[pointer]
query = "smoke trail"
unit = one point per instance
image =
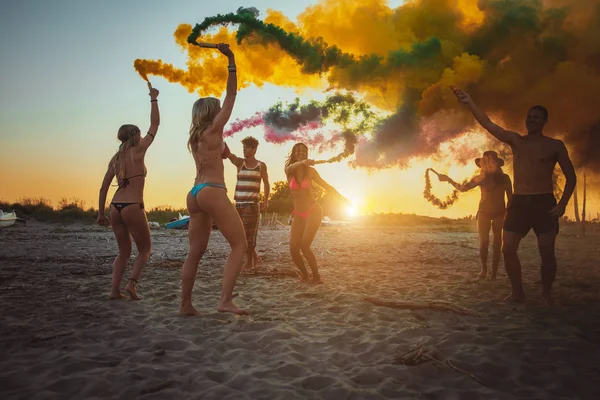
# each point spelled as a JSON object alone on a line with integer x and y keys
{"x": 509, "y": 55}
{"x": 441, "y": 204}
{"x": 314, "y": 55}
{"x": 175, "y": 75}
{"x": 301, "y": 122}
{"x": 239, "y": 125}
{"x": 350, "y": 141}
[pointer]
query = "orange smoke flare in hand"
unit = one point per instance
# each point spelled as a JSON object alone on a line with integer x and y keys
{"x": 141, "y": 69}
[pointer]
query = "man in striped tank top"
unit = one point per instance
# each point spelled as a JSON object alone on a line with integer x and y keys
{"x": 247, "y": 194}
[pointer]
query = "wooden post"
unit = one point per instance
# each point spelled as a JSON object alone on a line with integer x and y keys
{"x": 584, "y": 204}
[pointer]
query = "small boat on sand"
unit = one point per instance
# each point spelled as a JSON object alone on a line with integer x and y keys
{"x": 7, "y": 219}
{"x": 180, "y": 223}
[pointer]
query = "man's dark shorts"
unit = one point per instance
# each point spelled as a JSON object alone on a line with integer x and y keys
{"x": 525, "y": 212}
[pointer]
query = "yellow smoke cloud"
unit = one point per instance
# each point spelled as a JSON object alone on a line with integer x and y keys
{"x": 207, "y": 70}
{"x": 355, "y": 26}
{"x": 277, "y": 18}
{"x": 466, "y": 69}
{"x": 472, "y": 17}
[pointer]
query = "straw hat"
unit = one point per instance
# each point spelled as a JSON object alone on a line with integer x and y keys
{"x": 492, "y": 154}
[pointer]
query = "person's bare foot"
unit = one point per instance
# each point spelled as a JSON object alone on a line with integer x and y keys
{"x": 131, "y": 291}
{"x": 188, "y": 311}
{"x": 303, "y": 278}
{"x": 228, "y": 306}
{"x": 493, "y": 277}
{"x": 316, "y": 280}
{"x": 116, "y": 296}
{"x": 515, "y": 298}
{"x": 482, "y": 274}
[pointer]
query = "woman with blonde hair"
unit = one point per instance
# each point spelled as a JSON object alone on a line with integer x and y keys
{"x": 127, "y": 214}
{"x": 307, "y": 214}
{"x": 207, "y": 200}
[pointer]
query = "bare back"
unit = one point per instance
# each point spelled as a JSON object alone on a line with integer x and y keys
{"x": 207, "y": 156}
{"x": 131, "y": 185}
{"x": 534, "y": 159}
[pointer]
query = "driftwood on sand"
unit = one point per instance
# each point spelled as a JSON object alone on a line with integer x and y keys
{"x": 428, "y": 305}
{"x": 419, "y": 355}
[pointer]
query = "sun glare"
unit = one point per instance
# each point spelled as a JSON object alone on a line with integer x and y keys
{"x": 351, "y": 211}
{"x": 352, "y": 208}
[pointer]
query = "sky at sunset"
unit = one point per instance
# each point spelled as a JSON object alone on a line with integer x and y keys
{"x": 67, "y": 83}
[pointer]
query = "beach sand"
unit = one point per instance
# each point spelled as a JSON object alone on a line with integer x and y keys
{"x": 60, "y": 337}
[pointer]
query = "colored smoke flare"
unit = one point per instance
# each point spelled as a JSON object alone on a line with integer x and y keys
{"x": 508, "y": 55}
{"x": 305, "y": 123}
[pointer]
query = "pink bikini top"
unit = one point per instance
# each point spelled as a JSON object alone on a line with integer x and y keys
{"x": 306, "y": 184}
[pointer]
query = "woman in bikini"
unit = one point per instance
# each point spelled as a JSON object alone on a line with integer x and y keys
{"x": 208, "y": 201}
{"x": 494, "y": 183}
{"x": 127, "y": 214}
{"x": 307, "y": 214}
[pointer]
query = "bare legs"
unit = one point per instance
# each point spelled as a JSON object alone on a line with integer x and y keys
{"x": 546, "y": 243}
{"x": 213, "y": 202}
{"x": 302, "y": 234}
{"x": 496, "y": 244}
{"x": 483, "y": 226}
{"x": 512, "y": 265}
{"x": 546, "y": 247}
{"x": 131, "y": 222}
{"x": 198, "y": 234}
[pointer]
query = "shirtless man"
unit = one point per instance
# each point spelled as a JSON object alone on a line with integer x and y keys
{"x": 533, "y": 204}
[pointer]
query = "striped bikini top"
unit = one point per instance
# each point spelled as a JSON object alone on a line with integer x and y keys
{"x": 247, "y": 189}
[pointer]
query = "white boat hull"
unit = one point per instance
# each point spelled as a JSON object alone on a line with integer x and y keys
{"x": 7, "y": 219}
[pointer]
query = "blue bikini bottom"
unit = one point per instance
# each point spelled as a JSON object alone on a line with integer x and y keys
{"x": 201, "y": 186}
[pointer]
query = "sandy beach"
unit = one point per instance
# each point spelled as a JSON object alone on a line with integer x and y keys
{"x": 61, "y": 338}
